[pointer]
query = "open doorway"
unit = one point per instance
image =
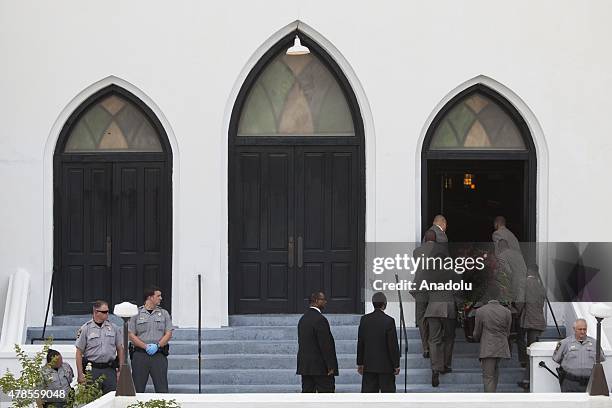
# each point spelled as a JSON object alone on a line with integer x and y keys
{"x": 478, "y": 161}
{"x": 470, "y": 193}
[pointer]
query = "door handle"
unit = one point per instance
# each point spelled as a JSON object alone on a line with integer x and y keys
{"x": 300, "y": 254}
{"x": 290, "y": 247}
{"x": 109, "y": 249}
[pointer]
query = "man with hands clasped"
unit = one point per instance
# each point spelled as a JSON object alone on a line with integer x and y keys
{"x": 150, "y": 331}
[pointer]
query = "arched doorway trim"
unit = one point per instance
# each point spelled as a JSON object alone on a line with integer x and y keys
{"x": 538, "y": 143}
{"x": 52, "y": 144}
{"x": 368, "y": 131}
{"x": 236, "y": 140}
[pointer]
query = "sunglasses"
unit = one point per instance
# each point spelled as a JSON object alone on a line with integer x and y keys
{"x": 102, "y": 311}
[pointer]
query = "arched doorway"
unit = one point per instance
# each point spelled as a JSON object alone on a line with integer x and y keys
{"x": 112, "y": 204}
{"x": 479, "y": 161}
{"x": 296, "y": 191}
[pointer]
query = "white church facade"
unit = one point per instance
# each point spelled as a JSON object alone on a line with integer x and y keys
{"x": 149, "y": 143}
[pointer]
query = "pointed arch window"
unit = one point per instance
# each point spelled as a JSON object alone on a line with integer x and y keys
{"x": 477, "y": 122}
{"x": 296, "y": 96}
{"x": 113, "y": 124}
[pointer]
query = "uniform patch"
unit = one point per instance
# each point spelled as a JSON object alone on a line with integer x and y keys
{"x": 78, "y": 333}
{"x": 558, "y": 346}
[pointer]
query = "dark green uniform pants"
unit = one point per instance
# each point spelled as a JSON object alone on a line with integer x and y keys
{"x": 110, "y": 378}
{"x": 144, "y": 365}
{"x": 573, "y": 386}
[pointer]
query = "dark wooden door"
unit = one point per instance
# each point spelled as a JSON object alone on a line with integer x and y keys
{"x": 114, "y": 234}
{"x": 294, "y": 228}
{"x": 86, "y": 265}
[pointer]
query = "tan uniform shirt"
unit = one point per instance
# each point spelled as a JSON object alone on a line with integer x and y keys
{"x": 99, "y": 343}
{"x": 150, "y": 327}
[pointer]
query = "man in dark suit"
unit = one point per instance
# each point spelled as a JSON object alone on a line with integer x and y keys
{"x": 378, "y": 355}
{"x": 502, "y": 232}
{"x": 316, "y": 359}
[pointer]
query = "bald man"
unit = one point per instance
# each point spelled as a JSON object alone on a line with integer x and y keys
{"x": 502, "y": 232}
{"x": 439, "y": 228}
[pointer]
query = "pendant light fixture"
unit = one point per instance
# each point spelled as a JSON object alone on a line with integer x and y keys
{"x": 297, "y": 48}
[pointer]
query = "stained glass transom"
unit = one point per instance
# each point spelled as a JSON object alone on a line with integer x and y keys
{"x": 296, "y": 95}
{"x": 477, "y": 122}
{"x": 113, "y": 124}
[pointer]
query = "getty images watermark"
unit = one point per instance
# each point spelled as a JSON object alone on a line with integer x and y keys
{"x": 435, "y": 265}
{"x": 569, "y": 271}
{"x": 401, "y": 269}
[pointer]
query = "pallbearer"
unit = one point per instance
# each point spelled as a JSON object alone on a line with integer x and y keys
{"x": 493, "y": 322}
{"x": 420, "y": 296}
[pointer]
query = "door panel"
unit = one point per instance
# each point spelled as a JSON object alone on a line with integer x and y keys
{"x": 327, "y": 203}
{"x": 138, "y": 223}
{"x": 85, "y": 270}
{"x": 262, "y": 205}
{"x": 293, "y": 228}
{"x": 114, "y": 241}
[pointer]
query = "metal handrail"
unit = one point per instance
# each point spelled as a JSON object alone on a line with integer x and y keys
{"x": 42, "y": 337}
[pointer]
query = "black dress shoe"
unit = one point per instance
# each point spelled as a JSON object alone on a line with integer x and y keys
{"x": 426, "y": 354}
{"x": 446, "y": 370}
{"x": 435, "y": 378}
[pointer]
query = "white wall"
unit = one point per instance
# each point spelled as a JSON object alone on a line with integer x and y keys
{"x": 187, "y": 57}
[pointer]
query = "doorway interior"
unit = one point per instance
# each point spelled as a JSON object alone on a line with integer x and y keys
{"x": 471, "y": 193}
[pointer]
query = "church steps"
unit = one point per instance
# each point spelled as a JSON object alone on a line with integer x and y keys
{"x": 257, "y": 353}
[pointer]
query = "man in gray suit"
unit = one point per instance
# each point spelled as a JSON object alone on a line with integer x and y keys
{"x": 514, "y": 265}
{"x": 532, "y": 321}
{"x": 492, "y": 329}
{"x": 502, "y": 232}
{"x": 441, "y": 316}
{"x": 439, "y": 228}
{"x": 420, "y": 296}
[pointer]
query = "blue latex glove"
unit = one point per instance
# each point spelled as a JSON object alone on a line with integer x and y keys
{"x": 151, "y": 349}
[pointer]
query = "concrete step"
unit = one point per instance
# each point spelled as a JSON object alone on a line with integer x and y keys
{"x": 340, "y": 388}
{"x": 288, "y": 361}
{"x": 262, "y": 332}
{"x": 234, "y": 320}
{"x": 225, "y": 333}
{"x": 78, "y": 320}
{"x": 288, "y": 376}
{"x": 289, "y": 320}
{"x": 180, "y": 347}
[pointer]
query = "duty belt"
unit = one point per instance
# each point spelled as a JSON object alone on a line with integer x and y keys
{"x": 578, "y": 378}
{"x": 109, "y": 364}
{"x": 165, "y": 350}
